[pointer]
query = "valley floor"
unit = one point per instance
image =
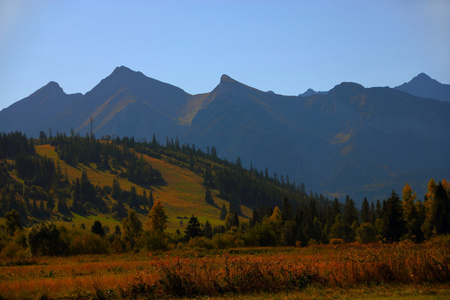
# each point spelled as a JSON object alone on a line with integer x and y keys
{"x": 401, "y": 271}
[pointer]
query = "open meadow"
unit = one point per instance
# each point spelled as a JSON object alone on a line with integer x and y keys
{"x": 321, "y": 271}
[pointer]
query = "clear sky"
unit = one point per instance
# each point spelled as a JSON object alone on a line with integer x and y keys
{"x": 284, "y": 46}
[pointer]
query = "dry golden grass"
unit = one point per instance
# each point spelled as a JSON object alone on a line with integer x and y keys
{"x": 316, "y": 272}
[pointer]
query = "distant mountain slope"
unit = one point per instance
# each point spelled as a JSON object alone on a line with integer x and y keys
{"x": 354, "y": 140}
{"x": 39, "y": 111}
{"x": 311, "y": 92}
{"x": 350, "y": 140}
{"x": 424, "y": 86}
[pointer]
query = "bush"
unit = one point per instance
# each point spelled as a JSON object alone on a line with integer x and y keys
{"x": 14, "y": 250}
{"x": 366, "y": 233}
{"x": 154, "y": 241}
{"x": 337, "y": 242}
{"x": 85, "y": 242}
{"x": 227, "y": 240}
{"x": 201, "y": 242}
{"x": 45, "y": 239}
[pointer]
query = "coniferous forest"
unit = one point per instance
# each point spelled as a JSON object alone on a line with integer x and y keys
{"x": 269, "y": 235}
{"x": 35, "y": 189}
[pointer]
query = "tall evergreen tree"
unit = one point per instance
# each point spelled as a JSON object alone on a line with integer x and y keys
{"x": 97, "y": 228}
{"x": 150, "y": 200}
{"x": 116, "y": 191}
{"x": 438, "y": 211}
{"x": 207, "y": 230}
{"x": 223, "y": 212}
{"x": 193, "y": 228}
{"x": 158, "y": 218}
{"x": 350, "y": 213}
{"x": 132, "y": 229}
{"x": 76, "y": 196}
{"x": 287, "y": 213}
{"x": 365, "y": 211}
{"x": 133, "y": 198}
{"x": 208, "y": 197}
{"x": 395, "y": 227}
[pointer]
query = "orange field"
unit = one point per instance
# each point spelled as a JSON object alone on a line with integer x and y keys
{"x": 241, "y": 271}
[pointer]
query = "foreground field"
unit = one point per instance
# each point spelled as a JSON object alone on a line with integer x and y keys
{"x": 345, "y": 271}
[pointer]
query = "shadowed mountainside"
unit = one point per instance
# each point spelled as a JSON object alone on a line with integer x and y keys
{"x": 424, "y": 86}
{"x": 350, "y": 140}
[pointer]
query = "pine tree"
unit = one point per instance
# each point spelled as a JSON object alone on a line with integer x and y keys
{"x": 395, "y": 227}
{"x": 121, "y": 211}
{"x": 365, "y": 211}
{"x": 76, "y": 196}
{"x": 287, "y": 213}
{"x": 410, "y": 214}
{"x": 50, "y": 203}
{"x": 208, "y": 197}
{"x": 235, "y": 220}
{"x": 350, "y": 213}
{"x": 132, "y": 229}
{"x": 150, "y": 201}
{"x": 207, "y": 230}
{"x": 158, "y": 218}
{"x": 133, "y": 198}
{"x": 223, "y": 212}
{"x": 116, "y": 191}
{"x": 438, "y": 211}
{"x": 97, "y": 228}
{"x": 193, "y": 228}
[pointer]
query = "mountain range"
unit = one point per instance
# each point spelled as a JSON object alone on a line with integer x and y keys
{"x": 350, "y": 140}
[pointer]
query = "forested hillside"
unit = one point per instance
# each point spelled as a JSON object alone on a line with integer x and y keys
{"x": 85, "y": 181}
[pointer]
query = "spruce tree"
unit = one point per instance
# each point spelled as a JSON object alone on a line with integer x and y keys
{"x": 223, "y": 212}
{"x": 395, "y": 226}
{"x": 208, "y": 197}
{"x": 97, "y": 228}
{"x": 133, "y": 198}
{"x": 207, "y": 230}
{"x": 150, "y": 201}
{"x": 365, "y": 211}
{"x": 193, "y": 228}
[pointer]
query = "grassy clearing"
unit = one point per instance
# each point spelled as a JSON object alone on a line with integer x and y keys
{"x": 400, "y": 271}
{"x": 182, "y": 196}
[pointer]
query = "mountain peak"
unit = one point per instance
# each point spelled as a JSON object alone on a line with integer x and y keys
{"x": 311, "y": 92}
{"x": 348, "y": 86}
{"x": 424, "y": 86}
{"x": 422, "y": 76}
{"x": 51, "y": 87}
{"x": 225, "y": 78}
{"x": 122, "y": 70}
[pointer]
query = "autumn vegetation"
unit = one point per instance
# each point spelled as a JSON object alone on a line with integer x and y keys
{"x": 267, "y": 234}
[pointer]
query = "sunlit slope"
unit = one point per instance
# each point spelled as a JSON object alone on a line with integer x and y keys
{"x": 182, "y": 196}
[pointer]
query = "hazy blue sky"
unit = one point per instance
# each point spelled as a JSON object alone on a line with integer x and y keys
{"x": 284, "y": 46}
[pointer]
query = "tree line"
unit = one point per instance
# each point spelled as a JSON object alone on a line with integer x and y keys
{"x": 283, "y": 213}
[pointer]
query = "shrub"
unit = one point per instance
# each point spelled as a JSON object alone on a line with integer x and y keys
{"x": 366, "y": 233}
{"x": 227, "y": 240}
{"x": 201, "y": 242}
{"x": 154, "y": 241}
{"x": 45, "y": 239}
{"x": 85, "y": 242}
{"x": 336, "y": 242}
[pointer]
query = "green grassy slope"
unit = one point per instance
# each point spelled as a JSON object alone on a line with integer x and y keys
{"x": 182, "y": 196}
